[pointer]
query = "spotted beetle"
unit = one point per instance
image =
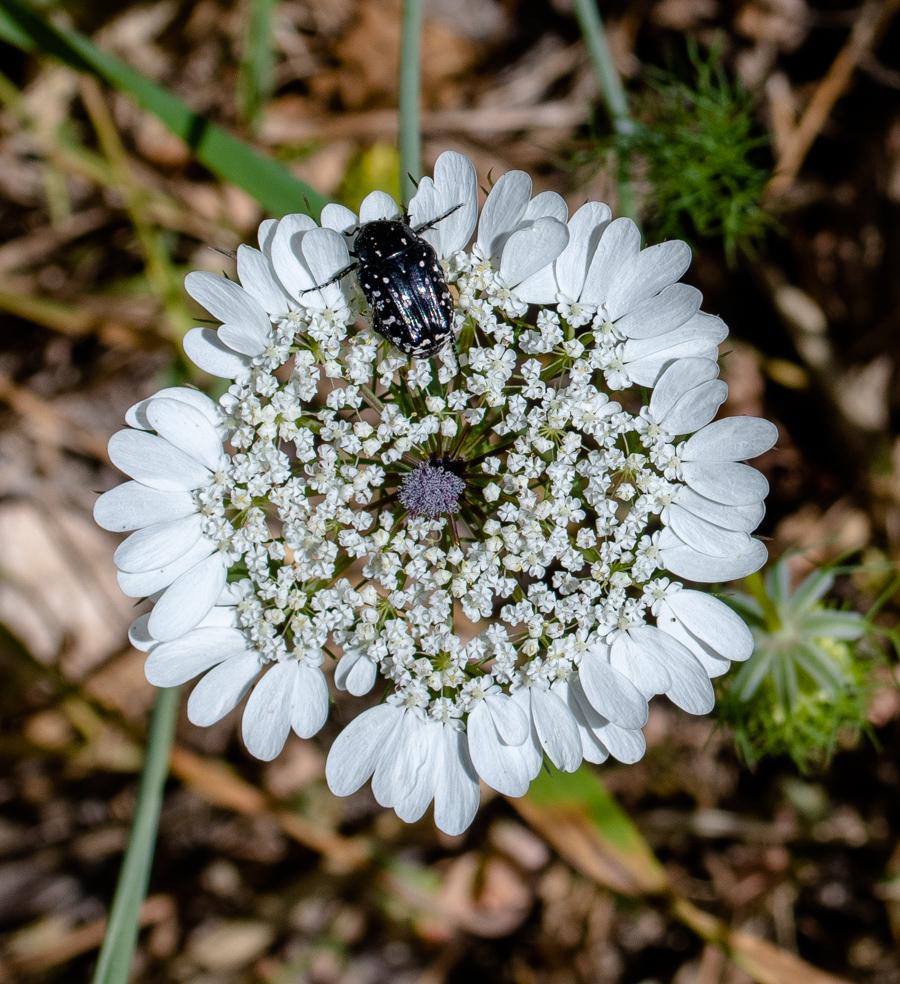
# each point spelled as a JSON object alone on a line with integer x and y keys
{"x": 401, "y": 277}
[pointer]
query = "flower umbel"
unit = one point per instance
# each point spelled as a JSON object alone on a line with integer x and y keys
{"x": 490, "y": 530}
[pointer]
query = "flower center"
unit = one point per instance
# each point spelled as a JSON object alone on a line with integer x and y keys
{"x": 433, "y": 487}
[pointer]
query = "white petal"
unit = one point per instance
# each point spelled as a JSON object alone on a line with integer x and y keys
{"x": 531, "y": 248}
{"x": 414, "y": 802}
{"x": 266, "y": 234}
{"x": 619, "y": 246}
{"x": 613, "y": 695}
{"x": 377, "y": 205}
{"x": 510, "y": 720}
{"x": 731, "y": 439}
{"x": 503, "y": 766}
{"x": 503, "y": 211}
{"x": 227, "y": 301}
{"x": 404, "y": 763}
{"x": 556, "y": 729}
{"x": 143, "y": 584}
{"x": 187, "y": 429}
{"x": 267, "y": 716}
{"x": 338, "y": 217}
{"x": 690, "y": 688}
{"x": 547, "y": 204}
{"x": 139, "y": 635}
{"x": 713, "y": 664}
{"x": 624, "y": 744}
{"x": 456, "y": 794}
{"x": 678, "y": 380}
{"x": 259, "y": 280}
{"x": 745, "y": 518}
{"x": 188, "y": 599}
{"x": 531, "y": 751}
{"x": 132, "y": 506}
{"x": 286, "y": 255}
{"x": 203, "y": 348}
{"x": 585, "y": 229}
{"x": 135, "y": 416}
{"x": 725, "y": 481}
{"x": 592, "y": 749}
{"x": 153, "y": 461}
{"x": 358, "y": 748}
{"x": 222, "y": 689}
{"x": 172, "y": 663}
{"x": 637, "y": 663}
{"x": 653, "y": 269}
{"x": 326, "y": 254}
{"x": 705, "y": 536}
{"x": 456, "y": 182}
{"x": 310, "y": 701}
{"x": 698, "y": 406}
{"x": 659, "y": 315}
{"x": 539, "y": 288}
{"x": 712, "y": 622}
{"x": 359, "y": 678}
{"x": 159, "y": 545}
{"x": 683, "y": 561}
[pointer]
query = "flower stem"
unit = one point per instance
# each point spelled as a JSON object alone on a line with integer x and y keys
{"x": 410, "y": 85}
{"x": 121, "y": 933}
{"x": 613, "y": 95}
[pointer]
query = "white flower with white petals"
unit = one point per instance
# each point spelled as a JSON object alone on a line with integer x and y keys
{"x": 376, "y": 509}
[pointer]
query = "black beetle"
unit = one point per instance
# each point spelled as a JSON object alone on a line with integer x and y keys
{"x": 401, "y": 277}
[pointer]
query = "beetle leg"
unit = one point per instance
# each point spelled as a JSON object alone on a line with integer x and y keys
{"x": 430, "y": 225}
{"x": 338, "y": 276}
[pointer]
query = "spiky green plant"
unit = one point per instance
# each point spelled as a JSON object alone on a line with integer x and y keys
{"x": 805, "y": 684}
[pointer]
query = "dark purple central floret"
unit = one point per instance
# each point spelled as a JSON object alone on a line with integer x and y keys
{"x": 431, "y": 490}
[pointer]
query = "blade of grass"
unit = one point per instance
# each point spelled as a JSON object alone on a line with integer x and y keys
{"x": 257, "y": 61}
{"x": 613, "y": 94}
{"x": 410, "y": 85}
{"x": 114, "y": 963}
{"x": 275, "y": 188}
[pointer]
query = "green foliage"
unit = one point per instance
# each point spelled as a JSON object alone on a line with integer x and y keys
{"x": 698, "y": 146}
{"x": 805, "y": 683}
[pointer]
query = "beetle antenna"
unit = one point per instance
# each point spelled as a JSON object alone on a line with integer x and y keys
{"x": 224, "y": 252}
{"x": 440, "y": 218}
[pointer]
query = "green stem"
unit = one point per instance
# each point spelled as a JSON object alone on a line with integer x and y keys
{"x": 757, "y": 586}
{"x": 613, "y": 95}
{"x": 114, "y": 963}
{"x": 410, "y": 86}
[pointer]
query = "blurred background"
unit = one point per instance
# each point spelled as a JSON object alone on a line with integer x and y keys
{"x": 780, "y": 817}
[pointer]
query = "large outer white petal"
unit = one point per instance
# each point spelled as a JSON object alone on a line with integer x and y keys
{"x": 259, "y": 280}
{"x": 705, "y": 536}
{"x": 636, "y": 662}
{"x": 529, "y": 249}
{"x": 505, "y": 767}
{"x": 132, "y": 506}
{"x": 592, "y": 749}
{"x": 143, "y": 584}
{"x": 267, "y": 716}
{"x": 455, "y": 183}
{"x": 624, "y": 744}
{"x": 727, "y": 482}
{"x": 650, "y": 271}
{"x": 547, "y": 204}
{"x": 711, "y": 621}
{"x": 585, "y": 229}
{"x": 612, "y": 695}
{"x": 172, "y": 663}
{"x": 404, "y": 763}
{"x": 659, "y": 315}
{"x": 153, "y": 461}
{"x": 684, "y": 561}
{"x": 287, "y": 261}
{"x": 377, "y": 205}
{"x": 187, "y": 429}
{"x": 227, "y": 301}
{"x": 204, "y": 348}
{"x": 326, "y": 254}
{"x": 159, "y": 545}
{"x": 618, "y": 247}
{"x": 309, "y": 709}
{"x": 743, "y": 517}
{"x": 222, "y": 689}
{"x": 731, "y": 439}
{"x": 503, "y": 210}
{"x": 690, "y": 688}
{"x": 338, "y": 217}
{"x": 188, "y": 599}
{"x": 135, "y": 416}
{"x": 456, "y": 793}
{"x": 510, "y": 720}
{"x": 358, "y": 748}
{"x": 556, "y": 729}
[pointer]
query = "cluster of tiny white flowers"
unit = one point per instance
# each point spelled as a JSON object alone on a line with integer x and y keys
{"x": 483, "y": 529}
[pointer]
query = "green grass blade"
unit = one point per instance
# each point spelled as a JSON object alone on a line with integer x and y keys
{"x": 275, "y": 188}
{"x": 257, "y": 61}
{"x": 410, "y": 94}
{"x": 121, "y": 933}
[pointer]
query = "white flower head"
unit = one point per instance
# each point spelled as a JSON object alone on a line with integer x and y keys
{"x": 492, "y": 533}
